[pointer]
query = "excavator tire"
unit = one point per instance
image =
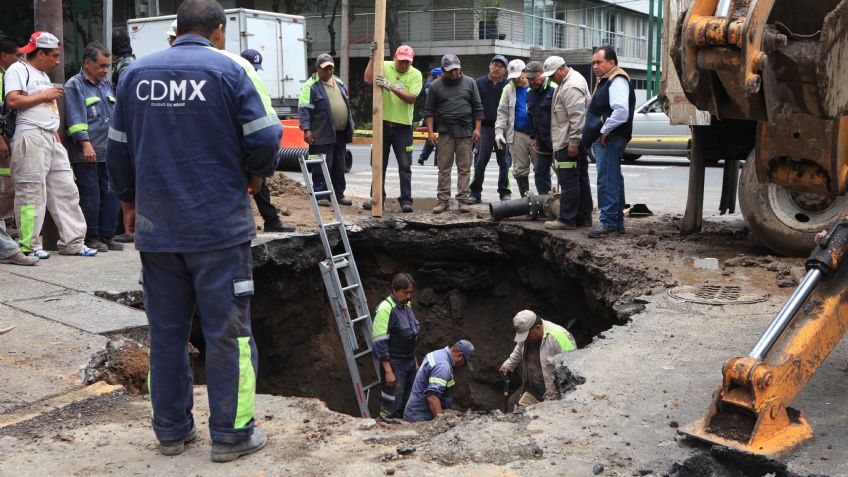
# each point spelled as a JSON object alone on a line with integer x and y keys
{"x": 786, "y": 222}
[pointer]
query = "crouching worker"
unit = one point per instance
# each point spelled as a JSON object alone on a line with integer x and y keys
{"x": 395, "y": 333}
{"x": 432, "y": 391}
{"x": 537, "y": 342}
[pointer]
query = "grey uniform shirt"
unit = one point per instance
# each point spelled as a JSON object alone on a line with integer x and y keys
{"x": 455, "y": 105}
{"x": 568, "y": 113}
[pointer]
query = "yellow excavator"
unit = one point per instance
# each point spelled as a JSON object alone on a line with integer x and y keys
{"x": 780, "y": 69}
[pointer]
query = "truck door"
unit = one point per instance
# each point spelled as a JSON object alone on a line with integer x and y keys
{"x": 261, "y": 35}
{"x": 293, "y": 59}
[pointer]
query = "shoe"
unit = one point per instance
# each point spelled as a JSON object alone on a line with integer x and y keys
{"x": 421, "y": 161}
{"x": 323, "y": 202}
{"x": 344, "y": 201}
{"x": 19, "y": 258}
{"x": 473, "y": 200}
{"x": 559, "y": 225}
{"x": 406, "y": 208}
{"x": 39, "y": 254}
{"x": 124, "y": 238}
{"x": 620, "y": 231}
{"x": 438, "y": 209}
{"x": 86, "y": 252}
{"x": 366, "y": 205}
{"x": 277, "y": 226}
{"x": 601, "y": 232}
{"x": 177, "y": 447}
{"x": 464, "y": 207}
{"x": 506, "y": 197}
{"x": 111, "y": 244}
{"x": 584, "y": 223}
{"x": 230, "y": 452}
{"x": 96, "y": 244}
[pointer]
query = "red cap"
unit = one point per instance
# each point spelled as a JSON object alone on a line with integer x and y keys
{"x": 40, "y": 39}
{"x": 404, "y": 53}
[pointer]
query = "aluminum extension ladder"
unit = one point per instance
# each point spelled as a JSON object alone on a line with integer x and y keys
{"x": 341, "y": 279}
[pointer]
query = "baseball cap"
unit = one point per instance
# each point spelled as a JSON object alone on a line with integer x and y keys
{"x": 40, "y": 39}
{"x": 533, "y": 69}
{"x": 450, "y": 62}
{"x": 514, "y": 69}
{"x": 404, "y": 53}
{"x": 500, "y": 58}
{"x": 172, "y": 30}
{"x": 254, "y": 57}
{"x": 467, "y": 350}
{"x": 324, "y": 59}
{"x": 436, "y": 71}
{"x": 522, "y": 322}
{"x": 552, "y": 64}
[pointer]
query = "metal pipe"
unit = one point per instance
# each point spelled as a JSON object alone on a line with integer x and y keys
{"x": 534, "y": 206}
{"x": 723, "y": 8}
{"x": 786, "y": 313}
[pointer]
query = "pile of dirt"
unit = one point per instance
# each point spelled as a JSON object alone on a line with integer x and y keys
{"x": 565, "y": 380}
{"x": 725, "y": 462}
{"x": 281, "y": 186}
{"x": 124, "y": 362}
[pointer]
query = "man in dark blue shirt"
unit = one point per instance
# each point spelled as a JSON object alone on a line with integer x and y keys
{"x": 193, "y": 131}
{"x": 539, "y": 101}
{"x": 491, "y": 87}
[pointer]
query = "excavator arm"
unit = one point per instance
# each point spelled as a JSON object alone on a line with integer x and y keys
{"x": 750, "y": 411}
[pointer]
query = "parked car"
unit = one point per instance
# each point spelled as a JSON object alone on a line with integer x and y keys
{"x": 654, "y": 135}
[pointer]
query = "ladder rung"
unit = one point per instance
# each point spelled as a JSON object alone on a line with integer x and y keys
{"x": 361, "y": 354}
{"x": 313, "y": 161}
{"x": 360, "y": 318}
{"x": 321, "y": 193}
{"x": 340, "y": 256}
{"x": 335, "y": 223}
{"x": 350, "y": 287}
{"x": 370, "y": 385}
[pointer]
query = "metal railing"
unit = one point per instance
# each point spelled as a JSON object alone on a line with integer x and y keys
{"x": 483, "y": 24}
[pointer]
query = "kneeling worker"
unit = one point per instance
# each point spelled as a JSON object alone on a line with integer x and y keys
{"x": 432, "y": 391}
{"x": 395, "y": 332}
{"x": 538, "y": 341}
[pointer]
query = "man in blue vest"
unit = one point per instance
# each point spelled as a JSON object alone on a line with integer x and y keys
{"x": 193, "y": 131}
{"x": 432, "y": 391}
{"x": 609, "y": 127}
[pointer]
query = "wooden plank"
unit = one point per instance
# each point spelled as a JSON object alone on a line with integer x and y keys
{"x": 377, "y": 115}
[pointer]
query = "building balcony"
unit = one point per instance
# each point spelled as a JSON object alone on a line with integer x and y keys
{"x": 465, "y": 31}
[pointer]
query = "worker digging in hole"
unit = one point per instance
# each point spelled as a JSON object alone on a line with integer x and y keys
{"x": 537, "y": 342}
{"x": 432, "y": 390}
{"x": 395, "y": 333}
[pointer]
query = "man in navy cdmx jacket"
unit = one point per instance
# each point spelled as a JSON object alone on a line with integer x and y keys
{"x": 193, "y": 127}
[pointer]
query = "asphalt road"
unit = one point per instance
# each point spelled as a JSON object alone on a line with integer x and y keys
{"x": 659, "y": 182}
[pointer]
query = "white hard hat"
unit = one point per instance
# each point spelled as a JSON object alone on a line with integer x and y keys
{"x": 172, "y": 30}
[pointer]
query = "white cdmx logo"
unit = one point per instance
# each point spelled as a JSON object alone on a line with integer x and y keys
{"x": 157, "y": 90}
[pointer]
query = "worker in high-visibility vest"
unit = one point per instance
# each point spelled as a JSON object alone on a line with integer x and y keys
{"x": 537, "y": 342}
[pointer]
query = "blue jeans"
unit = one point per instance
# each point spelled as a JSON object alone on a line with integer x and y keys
{"x": 8, "y": 247}
{"x": 217, "y": 285}
{"x": 99, "y": 203}
{"x": 542, "y": 173}
{"x": 393, "y": 400}
{"x": 610, "y": 181}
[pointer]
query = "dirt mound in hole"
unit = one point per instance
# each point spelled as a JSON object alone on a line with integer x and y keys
{"x": 725, "y": 462}
{"x": 281, "y": 186}
{"x": 123, "y": 362}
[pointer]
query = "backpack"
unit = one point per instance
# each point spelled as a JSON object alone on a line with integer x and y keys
{"x": 8, "y": 115}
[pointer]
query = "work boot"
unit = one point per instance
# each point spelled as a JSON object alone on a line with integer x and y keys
{"x": 559, "y": 225}
{"x": 523, "y": 185}
{"x": 474, "y": 200}
{"x": 177, "y": 447}
{"x": 344, "y": 201}
{"x": 229, "y": 452}
{"x": 602, "y": 232}
{"x": 324, "y": 202}
{"x": 277, "y": 226}
{"x": 19, "y": 258}
{"x": 506, "y": 197}
{"x": 464, "y": 207}
{"x": 440, "y": 207}
{"x": 96, "y": 244}
{"x": 111, "y": 244}
{"x": 124, "y": 238}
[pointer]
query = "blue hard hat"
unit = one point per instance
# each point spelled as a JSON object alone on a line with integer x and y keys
{"x": 436, "y": 71}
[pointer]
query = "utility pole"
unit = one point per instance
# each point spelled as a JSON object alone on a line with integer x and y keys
{"x": 48, "y": 17}
{"x": 345, "y": 53}
{"x": 107, "y": 25}
{"x": 377, "y": 118}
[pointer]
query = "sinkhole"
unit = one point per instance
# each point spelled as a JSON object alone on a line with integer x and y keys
{"x": 471, "y": 279}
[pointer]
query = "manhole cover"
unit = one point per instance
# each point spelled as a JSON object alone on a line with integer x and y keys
{"x": 710, "y": 294}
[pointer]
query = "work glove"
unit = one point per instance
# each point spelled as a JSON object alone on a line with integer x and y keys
{"x": 500, "y": 141}
{"x": 383, "y": 83}
{"x": 373, "y": 48}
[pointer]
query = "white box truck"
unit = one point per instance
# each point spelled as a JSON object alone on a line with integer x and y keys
{"x": 280, "y": 38}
